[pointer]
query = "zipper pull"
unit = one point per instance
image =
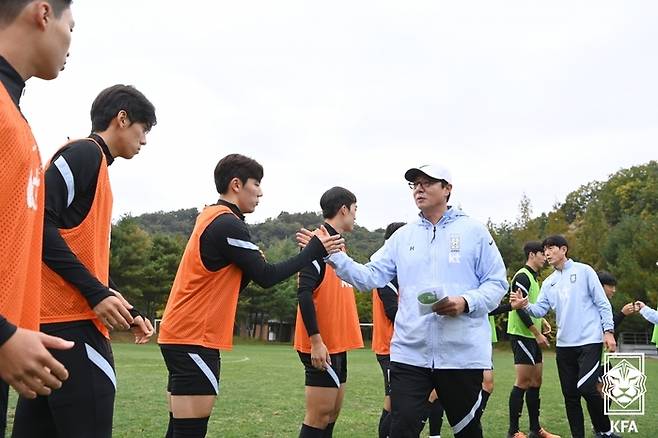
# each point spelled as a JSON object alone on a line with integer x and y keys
{"x": 433, "y": 233}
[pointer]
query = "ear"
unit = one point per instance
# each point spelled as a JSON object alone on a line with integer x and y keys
{"x": 235, "y": 185}
{"x": 122, "y": 119}
{"x": 41, "y": 13}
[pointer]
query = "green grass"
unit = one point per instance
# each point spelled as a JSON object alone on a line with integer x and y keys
{"x": 262, "y": 389}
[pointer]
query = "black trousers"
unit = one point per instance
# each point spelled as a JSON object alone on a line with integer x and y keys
{"x": 578, "y": 368}
{"x": 84, "y": 406}
{"x": 459, "y": 392}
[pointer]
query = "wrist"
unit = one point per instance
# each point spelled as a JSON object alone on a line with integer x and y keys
{"x": 316, "y": 339}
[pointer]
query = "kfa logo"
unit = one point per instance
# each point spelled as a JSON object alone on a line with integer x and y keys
{"x": 624, "y": 384}
{"x": 33, "y": 183}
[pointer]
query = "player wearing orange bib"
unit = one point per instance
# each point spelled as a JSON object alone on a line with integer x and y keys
{"x": 34, "y": 42}
{"x": 220, "y": 260}
{"x": 327, "y": 324}
{"x": 77, "y": 302}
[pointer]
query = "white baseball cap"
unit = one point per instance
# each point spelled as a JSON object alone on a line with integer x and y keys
{"x": 433, "y": 171}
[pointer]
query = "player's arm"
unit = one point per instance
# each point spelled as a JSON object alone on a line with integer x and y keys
{"x": 389, "y": 296}
{"x": 600, "y": 301}
{"x": 490, "y": 270}
{"x": 231, "y": 238}
{"x": 375, "y": 274}
{"x": 310, "y": 278}
{"x": 648, "y": 313}
{"x": 72, "y": 174}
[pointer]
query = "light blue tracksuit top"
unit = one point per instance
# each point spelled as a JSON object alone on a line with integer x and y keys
{"x": 457, "y": 253}
{"x": 582, "y": 310}
{"x": 649, "y": 314}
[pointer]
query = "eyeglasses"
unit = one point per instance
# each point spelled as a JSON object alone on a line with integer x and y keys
{"x": 423, "y": 184}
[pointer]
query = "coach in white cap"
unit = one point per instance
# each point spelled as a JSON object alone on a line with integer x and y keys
{"x": 444, "y": 250}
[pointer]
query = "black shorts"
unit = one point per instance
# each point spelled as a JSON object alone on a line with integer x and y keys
{"x": 329, "y": 378}
{"x": 84, "y": 405}
{"x": 385, "y": 363}
{"x": 193, "y": 369}
{"x": 526, "y": 350}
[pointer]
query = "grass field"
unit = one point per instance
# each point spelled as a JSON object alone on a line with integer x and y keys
{"x": 262, "y": 389}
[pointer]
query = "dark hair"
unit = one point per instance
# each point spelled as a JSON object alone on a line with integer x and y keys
{"x": 607, "y": 278}
{"x": 236, "y": 166}
{"x": 392, "y": 228}
{"x": 333, "y": 199}
{"x": 555, "y": 240}
{"x": 119, "y": 97}
{"x": 11, "y": 9}
{"x": 534, "y": 246}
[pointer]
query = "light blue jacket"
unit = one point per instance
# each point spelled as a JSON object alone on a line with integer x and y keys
{"x": 457, "y": 253}
{"x": 582, "y": 310}
{"x": 649, "y": 314}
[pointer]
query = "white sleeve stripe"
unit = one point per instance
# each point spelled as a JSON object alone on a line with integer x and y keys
{"x": 241, "y": 244}
{"x": 66, "y": 173}
{"x": 393, "y": 288}
{"x": 520, "y": 286}
{"x": 317, "y": 266}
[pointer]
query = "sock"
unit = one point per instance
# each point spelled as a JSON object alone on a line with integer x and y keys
{"x": 436, "y": 418}
{"x": 310, "y": 432}
{"x": 170, "y": 427}
{"x": 485, "y": 399}
{"x": 329, "y": 430}
{"x": 385, "y": 424}
{"x": 190, "y": 427}
{"x": 515, "y": 408}
{"x": 532, "y": 402}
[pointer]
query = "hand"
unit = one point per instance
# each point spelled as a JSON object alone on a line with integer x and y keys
{"x": 451, "y": 306}
{"x": 303, "y": 236}
{"x": 320, "y": 357}
{"x": 628, "y": 309}
{"x": 113, "y": 312}
{"x": 142, "y": 329}
{"x": 609, "y": 342}
{"x": 27, "y": 365}
{"x": 332, "y": 244}
{"x": 125, "y": 302}
{"x": 542, "y": 341}
{"x": 546, "y": 327}
{"x": 639, "y": 305}
{"x": 517, "y": 300}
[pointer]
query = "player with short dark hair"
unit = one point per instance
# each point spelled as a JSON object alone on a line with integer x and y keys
{"x": 585, "y": 325}
{"x": 527, "y": 340}
{"x": 327, "y": 325}
{"x": 220, "y": 260}
{"x": 34, "y": 42}
{"x": 79, "y": 301}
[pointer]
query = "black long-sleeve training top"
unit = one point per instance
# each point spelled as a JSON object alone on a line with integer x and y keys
{"x": 227, "y": 240}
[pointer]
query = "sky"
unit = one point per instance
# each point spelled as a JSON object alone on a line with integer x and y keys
{"x": 514, "y": 97}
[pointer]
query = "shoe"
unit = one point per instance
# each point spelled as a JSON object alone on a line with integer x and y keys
{"x": 517, "y": 435}
{"x": 542, "y": 434}
{"x": 603, "y": 435}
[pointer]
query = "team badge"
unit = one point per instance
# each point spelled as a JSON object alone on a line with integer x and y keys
{"x": 455, "y": 246}
{"x": 455, "y": 243}
{"x": 573, "y": 278}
